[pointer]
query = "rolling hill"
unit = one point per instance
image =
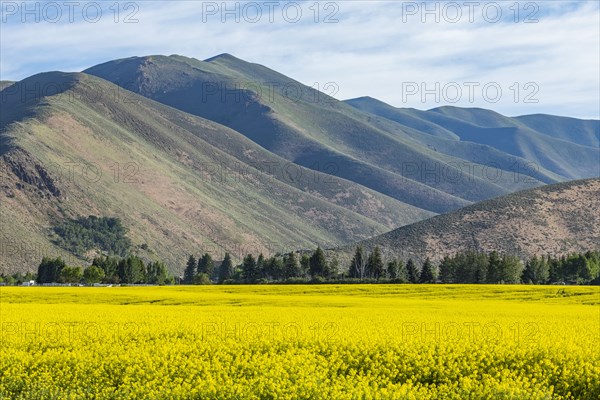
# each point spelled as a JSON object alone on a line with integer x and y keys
{"x": 79, "y": 145}
{"x": 554, "y": 219}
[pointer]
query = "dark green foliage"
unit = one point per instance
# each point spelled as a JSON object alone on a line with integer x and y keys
{"x": 206, "y": 265}
{"x": 131, "y": 270}
{"x": 110, "y": 267}
{"x": 392, "y": 269}
{"x": 274, "y": 269}
{"x": 93, "y": 274}
{"x": 49, "y": 270}
{"x": 202, "y": 279}
{"x": 358, "y": 265}
{"x": 226, "y": 269}
{"x": 261, "y": 267}
{"x": 412, "y": 271}
{"x": 375, "y": 267}
{"x": 537, "y": 271}
{"x": 305, "y": 264}
{"x": 190, "y": 270}
{"x": 250, "y": 273}
{"x": 318, "y": 266}
{"x": 70, "y": 275}
{"x": 447, "y": 270}
{"x": 291, "y": 266}
{"x": 427, "y": 272}
{"x": 157, "y": 274}
{"x": 86, "y": 233}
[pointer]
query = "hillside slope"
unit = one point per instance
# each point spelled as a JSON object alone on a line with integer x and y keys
{"x": 560, "y": 148}
{"x": 180, "y": 183}
{"x": 554, "y": 219}
{"x": 319, "y": 132}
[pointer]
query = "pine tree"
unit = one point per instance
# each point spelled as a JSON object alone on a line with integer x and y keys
{"x": 402, "y": 272}
{"x": 427, "y": 272}
{"x": 291, "y": 266}
{"x": 132, "y": 270}
{"x": 305, "y": 265}
{"x": 226, "y": 269}
{"x": 375, "y": 266}
{"x": 249, "y": 269}
{"x": 358, "y": 264}
{"x": 261, "y": 267}
{"x": 318, "y": 264}
{"x": 206, "y": 265}
{"x": 412, "y": 272}
{"x": 447, "y": 270}
{"x": 190, "y": 270}
{"x": 494, "y": 268}
{"x": 157, "y": 273}
{"x": 392, "y": 270}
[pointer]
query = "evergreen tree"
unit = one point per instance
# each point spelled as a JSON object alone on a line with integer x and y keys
{"x": 305, "y": 265}
{"x": 333, "y": 268}
{"x": 291, "y": 266}
{"x": 536, "y": 271}
{"x": 494, "y": 267}
{"x": 375, "y": 268}
{"x": 427, "y": 272}
{"x": 412, "y": 272}
{"x": 275, "y": 268}
{"x": 206, "y": 265}
{"x": 190, "y": 270}
{"x": 359, "y": 264}
{"x": 318, "y": 264}
{"x": 392, "y": 270}
{"x": 226, "y": 269}
{"x": 402, "y": 272}
{"x": 110, "y": 267}
{"x": 511, "y": 269}
{"x": 249, "y": 269}
{"x": 447, "y": 270}
{"x": 132, "y": 270}
{"x": 157, "y": 273}
{"x": 261, "y": 267}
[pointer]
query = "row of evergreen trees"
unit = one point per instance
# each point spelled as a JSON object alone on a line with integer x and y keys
{"x": 256, "y": 270}
{"x": 463, "y": 267}
{"x": 104, "y": 269}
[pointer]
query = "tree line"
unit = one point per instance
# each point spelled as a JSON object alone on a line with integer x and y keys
{"x": 314, "y": 267}
{"x": 105, "y": 269}
{"x": 463, "y": 267}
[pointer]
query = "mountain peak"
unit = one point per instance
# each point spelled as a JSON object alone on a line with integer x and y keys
{"x": 223, "y": 56}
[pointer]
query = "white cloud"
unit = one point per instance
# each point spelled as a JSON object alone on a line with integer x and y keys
{"x": 370, "y": 51}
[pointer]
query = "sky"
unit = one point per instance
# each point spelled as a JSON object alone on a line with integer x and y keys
{"x": 514, "y": 57}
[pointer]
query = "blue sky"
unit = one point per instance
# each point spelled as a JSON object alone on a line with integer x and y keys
{"x": 515, "y": 57}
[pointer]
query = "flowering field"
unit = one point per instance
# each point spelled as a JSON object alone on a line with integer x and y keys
{"x": 301, "y": 342}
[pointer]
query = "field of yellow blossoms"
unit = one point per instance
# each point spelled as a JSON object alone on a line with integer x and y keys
{"x": 301, "y": 342}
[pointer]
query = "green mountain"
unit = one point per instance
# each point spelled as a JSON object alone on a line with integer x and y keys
{"x": 312, "y": 129}
{"x": 566, "y": 147}
{"x": 554, "y": 219}
{"x": 79, "y": 145}
{"x": 225, "y": 155}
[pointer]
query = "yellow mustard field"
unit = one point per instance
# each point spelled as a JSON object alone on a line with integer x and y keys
{"x": 301, "y": 342}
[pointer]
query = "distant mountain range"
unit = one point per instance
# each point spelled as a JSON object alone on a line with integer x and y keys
{"x": 232, "y": 156}
{"x": 554, "y": 219}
